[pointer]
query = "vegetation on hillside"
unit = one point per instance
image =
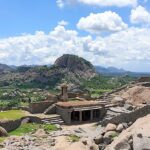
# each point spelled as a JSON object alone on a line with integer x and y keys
{"x": 102, "y": 84}
{"x": 33, "y": 83}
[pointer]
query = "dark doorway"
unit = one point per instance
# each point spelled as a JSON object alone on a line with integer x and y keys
{"x": 96, "y": 114}
{"x": 75, "y": 116}
{"x": 86, "y": 115}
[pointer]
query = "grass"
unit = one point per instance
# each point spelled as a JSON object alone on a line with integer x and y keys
{"x": 95, "y": 93}
{"x": 114, "y": 135}
{"x": 73, "y": 138}
{"x": 12, "y": 114}
{"x": 2, "y": 139}
{"x": 31, "y": 128}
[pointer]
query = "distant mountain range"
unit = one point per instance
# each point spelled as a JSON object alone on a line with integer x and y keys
{"x": 109, "y": 70}
{"x": 75, "y": 64}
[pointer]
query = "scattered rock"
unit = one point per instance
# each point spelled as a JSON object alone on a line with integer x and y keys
{"x": 40, "y": 133}
{"x": 98, "y": 139}
{"x": 128, "y": 106}
{"x": 130, "y": 123}
{"x": 119, "y": 128}
{"x": 123, "y": 146}
{"x": 109, "y": 136}
{"x": 110, "y": 127}
{"x": 84, "y": 141}
{"x": 125, "y": 125}
{"x": 58, "y": 126}
{"x": 89, "y": 143}
{"x": 102, "y": 146}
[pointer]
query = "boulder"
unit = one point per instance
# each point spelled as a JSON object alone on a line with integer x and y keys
{"x": 84, "y": 141}
{"x": 110, "y": 134}
{"x": 89, "y": 144}
{"x": 123, "y": 146}
{"x": 125, "y": 125}
{"x": 102, "y": 146}
{"x": 128, "y": 107}
{"x": 3, "y": 132}
{"x": 93, "y": 147}
{"x": 141, "y": 142}
{"x": 118, "y": 100}
{"x": 110, "y": 127}
{"x": 119, "y": 128}
{"x": 98, "y": 139}
{"x": 40, "y": 133}
{"x": 108, "y": 137}
{"x": 58, "y": 126}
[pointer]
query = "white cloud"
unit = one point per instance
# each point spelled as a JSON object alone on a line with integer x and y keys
{"x": 102, "y": 22}
{"x": 121, "y": 49}
{"x": 140, "y": 15}
{"x": 119, "y": 3}
{"x": 60, "y": 3}
{"x": 101, "y": 3}
{"x": 63, "y": 23}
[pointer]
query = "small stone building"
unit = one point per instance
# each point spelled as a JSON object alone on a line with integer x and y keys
{"x": 80, "y": 111}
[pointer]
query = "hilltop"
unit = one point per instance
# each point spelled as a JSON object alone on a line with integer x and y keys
{"x": 76, "y": 65}
{"x": 69, "y": 68}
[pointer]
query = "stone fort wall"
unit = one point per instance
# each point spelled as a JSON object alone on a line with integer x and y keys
{"x": 128, "y": 117}
{"x": 10, "y": 125}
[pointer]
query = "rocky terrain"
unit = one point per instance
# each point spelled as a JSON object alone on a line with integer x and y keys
{"x": 67, "y": 138}
{"x": 68, "y": 67}
{"x": 136, "y": 137}
{"x": 136, "y": 94}
{"x": 126, "y": 135}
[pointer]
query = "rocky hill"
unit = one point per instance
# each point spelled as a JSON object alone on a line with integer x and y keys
{"x": 70, "y": 68}
{"x": 77, "y": 65}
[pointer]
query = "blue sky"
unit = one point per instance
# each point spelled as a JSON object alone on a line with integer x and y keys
{"x": 106, "y": 33}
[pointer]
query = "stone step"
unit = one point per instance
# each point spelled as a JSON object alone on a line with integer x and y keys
{"x": 53, "y": 120}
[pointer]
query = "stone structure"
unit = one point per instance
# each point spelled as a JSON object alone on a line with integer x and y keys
{"x": 128, "y": 117}
{"x": 64, "y": 92}
{"x": 80, "y": 111}
{"x": 39, "y": 107}
{"x": 70, "y": 111}
{"x": 10, "y": 125}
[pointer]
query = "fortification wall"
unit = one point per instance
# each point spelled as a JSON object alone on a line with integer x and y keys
{"x": 128, "y": 117}
{"x": 10, "y": 125}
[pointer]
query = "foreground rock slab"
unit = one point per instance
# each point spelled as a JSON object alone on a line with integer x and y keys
{"x": 136, "y": 137}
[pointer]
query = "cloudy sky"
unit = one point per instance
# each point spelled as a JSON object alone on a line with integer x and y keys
{"x": 105, "y": 32}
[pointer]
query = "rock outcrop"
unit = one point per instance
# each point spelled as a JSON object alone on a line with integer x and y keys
{"x": 76, "y": 65}
{"x": 137, "y": 95}
{"x": 136, "y": 137}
